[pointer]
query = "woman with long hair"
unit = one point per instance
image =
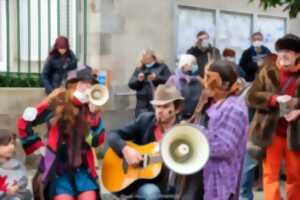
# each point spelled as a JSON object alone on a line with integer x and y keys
{"x": 60, "y": 61}
{"x": 67, "y": 167}
{"x": 226, "y": 130}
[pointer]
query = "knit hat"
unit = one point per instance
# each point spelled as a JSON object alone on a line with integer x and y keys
{"x": 61, "y": 43}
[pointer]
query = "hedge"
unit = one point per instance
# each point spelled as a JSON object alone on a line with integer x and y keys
{"x": 19, "y": 80}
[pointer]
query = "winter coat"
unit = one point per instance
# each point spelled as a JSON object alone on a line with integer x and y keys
{"x": 55, "y": 71}
{"x": 144, "y": 89}
{"x": 13, "y": 172}
{"x": 263, "y": 125}
{"x": 203, "y": 57}
{"x": 190, "y": 88}
{"x": 249, "y": 59}
{"x": 32, "y": 142}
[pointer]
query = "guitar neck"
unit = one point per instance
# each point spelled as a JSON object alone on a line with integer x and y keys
{"x": 154, "y": 159}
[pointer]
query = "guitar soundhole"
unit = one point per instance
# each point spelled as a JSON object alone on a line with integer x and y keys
{"x": 145, "y": 162}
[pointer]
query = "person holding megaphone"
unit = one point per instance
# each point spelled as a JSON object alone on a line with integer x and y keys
{"x": 224, "y": 120}
{"x": 67, "y": 166}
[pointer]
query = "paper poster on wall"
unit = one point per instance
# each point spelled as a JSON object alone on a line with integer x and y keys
{"x": 190, "y": 22}
{"x": 234, "y": 31}
{"x": 276, "y": 29}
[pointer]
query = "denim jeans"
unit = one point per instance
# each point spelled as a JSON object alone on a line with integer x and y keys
{"x": 149, "y": 191}
{"x": 247, "y": 178}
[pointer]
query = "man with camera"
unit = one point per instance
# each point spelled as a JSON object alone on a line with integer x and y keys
{"x": 204, "y": 51}
{"x": 146, "y": 77}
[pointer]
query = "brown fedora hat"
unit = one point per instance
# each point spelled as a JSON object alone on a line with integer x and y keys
{"x": 165, "y": 94}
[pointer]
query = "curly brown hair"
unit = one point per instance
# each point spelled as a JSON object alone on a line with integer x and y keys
{"x": 66, "y": 112}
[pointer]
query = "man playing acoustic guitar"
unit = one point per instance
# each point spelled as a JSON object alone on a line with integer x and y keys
{"x": 148, "y": 127}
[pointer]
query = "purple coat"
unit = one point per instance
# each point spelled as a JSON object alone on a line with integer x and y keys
{"x": 190, "y": 88}
{"x": 176, "y": 77}
{"x": 227, "y": 136}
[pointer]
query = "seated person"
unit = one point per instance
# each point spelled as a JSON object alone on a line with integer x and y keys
{"x": 150, "y": 127}
{"x": 13, "y": 177}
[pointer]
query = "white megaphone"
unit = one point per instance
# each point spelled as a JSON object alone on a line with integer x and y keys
{"x": 184, "y": 149}
{"x": 98, "y": 95}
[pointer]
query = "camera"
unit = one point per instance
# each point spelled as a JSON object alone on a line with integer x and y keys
{"x": 147, "y": 73}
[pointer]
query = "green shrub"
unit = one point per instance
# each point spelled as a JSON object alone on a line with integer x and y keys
{"x": 21, "y": 80}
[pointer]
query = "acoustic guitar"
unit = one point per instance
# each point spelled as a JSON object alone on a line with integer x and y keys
{"x": 118, "y": 175}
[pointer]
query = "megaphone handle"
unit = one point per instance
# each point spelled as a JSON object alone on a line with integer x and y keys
{"x": 171, "y": 187}
{"x": 181, "y": 188}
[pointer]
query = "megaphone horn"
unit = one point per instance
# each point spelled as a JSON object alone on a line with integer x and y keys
{"x": 184, "y": 149}
{"x": 98, "y": 95}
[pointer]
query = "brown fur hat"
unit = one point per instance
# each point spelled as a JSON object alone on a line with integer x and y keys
{"x": 288, "y": 42}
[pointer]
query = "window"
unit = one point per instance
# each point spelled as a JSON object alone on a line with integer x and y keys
{"x": 276, "y": 29}
{"x": 67, "y": 11}
{"x": 226, "y": 28}
{"x": 34, "y": 32}
{"x": 190, "y": 22}
{"x": 2, "y": 36}
{"x": 234, "y": 31}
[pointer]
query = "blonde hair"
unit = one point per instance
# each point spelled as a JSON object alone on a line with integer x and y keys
{"x": 150, "y": 52}
{"x": 186, "y": 59}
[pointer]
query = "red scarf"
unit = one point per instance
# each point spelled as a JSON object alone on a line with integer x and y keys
{"x": 158, "y": 133}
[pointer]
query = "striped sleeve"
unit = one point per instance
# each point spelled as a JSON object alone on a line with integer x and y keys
{"x": 30, "y": 140}
{"x": 225, "y": 138}
{"x": 97, "y": 130}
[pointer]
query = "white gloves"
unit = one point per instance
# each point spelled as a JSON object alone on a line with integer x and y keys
{"x": 30, "y": 114}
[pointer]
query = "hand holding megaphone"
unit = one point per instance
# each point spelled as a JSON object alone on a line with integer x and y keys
{"x": 97, "y": 96}
{"x": 93, "y": 108}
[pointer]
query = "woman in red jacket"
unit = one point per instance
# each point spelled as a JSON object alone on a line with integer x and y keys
{"x": 67, "y": 169}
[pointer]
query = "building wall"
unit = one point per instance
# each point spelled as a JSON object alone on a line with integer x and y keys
{"x": 126, "y": 28}
{"x": 122, "y": 29}
{"x": 118, "y": 31}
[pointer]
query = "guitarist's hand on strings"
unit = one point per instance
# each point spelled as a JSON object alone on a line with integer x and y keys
{"x": 132, "y": 156}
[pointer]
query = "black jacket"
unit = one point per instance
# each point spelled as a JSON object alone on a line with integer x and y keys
{"x": 55, "y": 71}
{"x": 144, "y": 90}
{"x": 249, "y": 59}
{"x": 141, "y": 131}
{"x": 191, "y": 92}
{"x": 202, "y": 57}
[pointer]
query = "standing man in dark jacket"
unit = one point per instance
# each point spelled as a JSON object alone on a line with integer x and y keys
{"x": 60, "y": 61}
{"x": 252, "y": 58}
{"x": 150, "y": 127}
{"x": 146, "y": 78}
{"x": 203, "y": 51}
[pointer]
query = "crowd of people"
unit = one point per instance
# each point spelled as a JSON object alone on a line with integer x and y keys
{"x": 248, "y": 111}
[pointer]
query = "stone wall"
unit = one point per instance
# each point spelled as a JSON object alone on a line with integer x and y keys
{"x": 119, "y": 30}
{"x": 117, "y": 111}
